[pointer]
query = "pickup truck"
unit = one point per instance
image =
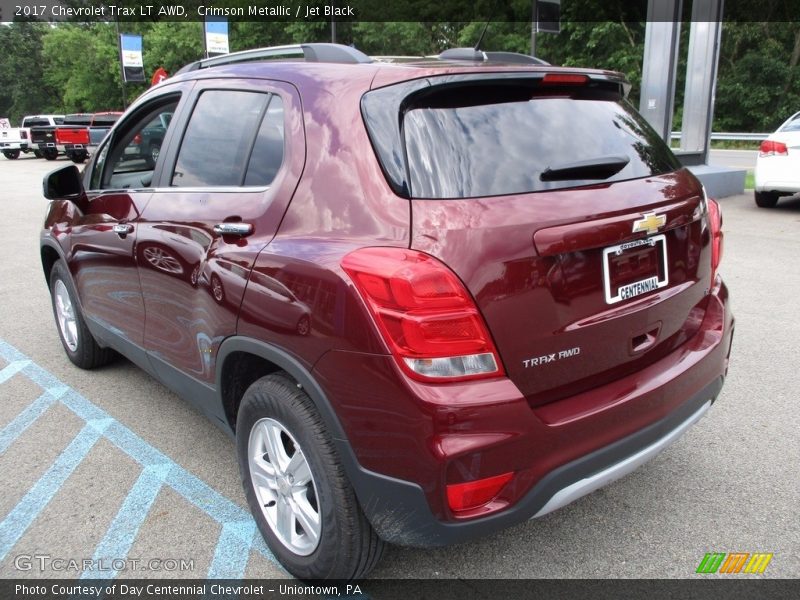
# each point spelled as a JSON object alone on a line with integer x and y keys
{"x": 42, "y": 134}
{"x": 13, "y": 140}
{"x": 80, "y": 133}
{"x": 101, "y": 125}
{"x": 16, "y": 140}
{"x": 72, "y": 137}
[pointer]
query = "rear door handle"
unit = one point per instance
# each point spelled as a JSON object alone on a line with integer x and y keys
{"x": 123, "y": 229}
{"x": 233, "y": 228}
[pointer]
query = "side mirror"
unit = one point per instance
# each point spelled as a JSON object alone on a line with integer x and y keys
{"x": 63, "y": 183}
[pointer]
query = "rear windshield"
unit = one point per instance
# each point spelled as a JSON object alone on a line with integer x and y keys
{"x": 487, "y": 141}
{"x": 793, "y": 125}
{"x": 77, "y": 119}
{"x": 35, "y": 123}
{"x": 104, "y": 120}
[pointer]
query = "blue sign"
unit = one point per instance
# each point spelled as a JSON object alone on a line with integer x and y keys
{"x": 216, "y": 36}
{"x": 130, "y": 47}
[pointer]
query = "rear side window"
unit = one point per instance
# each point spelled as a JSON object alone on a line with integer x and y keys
{"x": 267, "y": 153}
{"x": 234, "y": 138}
{"x": 508, "y": 140}
{"x": 77, "y": 119}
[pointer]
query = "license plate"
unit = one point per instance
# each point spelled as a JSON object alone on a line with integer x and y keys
{"x": 635, "y": 268}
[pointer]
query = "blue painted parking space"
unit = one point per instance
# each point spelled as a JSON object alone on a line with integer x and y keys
{"x": 238, "y": 534}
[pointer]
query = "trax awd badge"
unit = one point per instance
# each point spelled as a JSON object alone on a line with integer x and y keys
{"x": 548, "y": 358}
{"x": 650, "y": 223}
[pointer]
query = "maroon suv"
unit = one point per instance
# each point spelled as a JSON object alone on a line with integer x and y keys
{"x": 430, "y": 300}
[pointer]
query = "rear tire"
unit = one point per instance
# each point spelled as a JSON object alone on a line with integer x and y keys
{"x": 153, "y": 152}
{"x": 38, "y": 153}
{"x": 11, "y": 154}
{"x": 80, "y": 346}
{"x": 304, "y": 505}
{"x": 766, "y": 199}
{"x": 50, "y": 154}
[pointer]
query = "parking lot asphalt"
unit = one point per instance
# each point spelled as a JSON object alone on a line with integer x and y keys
{"x": 109, "y": 464}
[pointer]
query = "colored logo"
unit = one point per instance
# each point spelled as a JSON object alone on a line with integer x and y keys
{"x": 650, "y": 222}
{"x": 735, "y": 562}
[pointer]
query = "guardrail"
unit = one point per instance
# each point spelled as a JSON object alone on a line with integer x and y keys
{"x": 736, "y": 137}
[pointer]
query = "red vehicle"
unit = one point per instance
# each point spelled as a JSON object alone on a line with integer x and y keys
{"x": 81, "y": 132}
{"x": 512, "y": 286}
{"x": 72, "y": 137}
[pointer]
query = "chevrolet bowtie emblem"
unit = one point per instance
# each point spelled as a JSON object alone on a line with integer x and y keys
{"x": 650, "y": 223}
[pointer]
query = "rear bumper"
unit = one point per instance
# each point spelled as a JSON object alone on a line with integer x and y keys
{"x": 400, "y": 514}
{"x": 13, "y": 146}
{"x": 789, "y": 187}
{"x": 777, "y": 174}
{"x": 407, "y": 453}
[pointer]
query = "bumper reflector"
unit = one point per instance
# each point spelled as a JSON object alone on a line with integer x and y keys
{"x": 472, "y": 494}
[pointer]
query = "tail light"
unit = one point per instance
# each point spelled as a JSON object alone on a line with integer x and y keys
{"x": 715, "y": 229}
{"x": 424, "y": 313}
{"x": 137, "y": 139}
{"x": 564, "y": 79}
{"x": 772, "y": 148}
{"x": 472, "y": 494}
{"x": 24, "y": 135}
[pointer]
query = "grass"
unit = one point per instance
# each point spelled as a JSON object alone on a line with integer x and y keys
{"x": 749, "y": 181}
{"x": 723, "y": 145}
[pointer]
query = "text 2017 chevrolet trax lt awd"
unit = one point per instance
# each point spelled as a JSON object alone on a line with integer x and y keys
{"x": 430, "y": 300}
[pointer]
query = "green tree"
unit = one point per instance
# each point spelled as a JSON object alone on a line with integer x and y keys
{"x": 81, "y": 61}
{"x": 758, "y": 85}
{"x": 22, "y": 89}
{"x": 171, "y": 46}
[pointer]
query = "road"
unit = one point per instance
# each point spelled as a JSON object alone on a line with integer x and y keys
{"x": 109, "y": 463}
{"x": 738, "y": 159}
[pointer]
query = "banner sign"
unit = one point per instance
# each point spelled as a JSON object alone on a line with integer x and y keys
{"x": 131, "y": 56}
{"x": 548, "y": 16}
{"x": 216, "y": 36}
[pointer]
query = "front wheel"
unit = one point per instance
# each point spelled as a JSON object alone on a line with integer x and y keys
{"x": 80, "y": 346}
{"x": 296, "y": 487}
{"x": 11, "y": 154}
{"x": 766, "y": 199}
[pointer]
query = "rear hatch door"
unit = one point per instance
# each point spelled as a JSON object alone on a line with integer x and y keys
{"x": 574, "y": 227}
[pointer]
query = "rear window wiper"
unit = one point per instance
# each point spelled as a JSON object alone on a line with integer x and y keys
{"x": 601, "y": 167}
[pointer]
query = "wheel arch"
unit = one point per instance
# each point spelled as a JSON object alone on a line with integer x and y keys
{"x": 50, "y": 254}
{"x": 369, "y": 487}
{"x": 242, "y": 360}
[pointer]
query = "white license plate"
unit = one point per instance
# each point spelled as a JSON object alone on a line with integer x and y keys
{"x": 635, "y": 268}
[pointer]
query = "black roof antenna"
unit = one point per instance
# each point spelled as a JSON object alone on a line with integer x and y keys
{"x": 483, "y": 33}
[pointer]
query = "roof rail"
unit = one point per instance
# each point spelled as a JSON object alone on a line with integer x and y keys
{"x": 473, "y": 55}
{"x": 327, "y": 53}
